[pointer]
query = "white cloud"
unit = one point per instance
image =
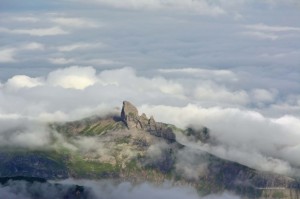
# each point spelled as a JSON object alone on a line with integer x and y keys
{"x": 266, "y": 28}
{"x": 73, "y": 77}
{"x": 74, "y": 22}
{"x": 23, "y": 81}
{"x": 191, "y": 163}
{"x": 126, "y": 77}
{"x": 7, "y": 55}
{"x": 18, "y": 131}
{"x": 83, "y": 77}
{"x": 33, "y": 46}
{"x": 36, "y": 31}
{"x": 218, "y": 75}
{"x": 261, "y": 35}
{"x": 218, "y": 94}
{"x": 101, "y": 62}
{"x": 243, "y": 136}
{"x": 254, "y": 159}
{"x": 262, "y": 95}
{"x": 88, "y": 62}
{"x": 61, "y": 60}
{"x": 79, "y": 46}
{"x": 76, "y": 92}
{"x": 263, "y": 31}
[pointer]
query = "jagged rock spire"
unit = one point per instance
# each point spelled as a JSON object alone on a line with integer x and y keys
{"x": 128, "y": 109}
{"x": 130, "y": 116}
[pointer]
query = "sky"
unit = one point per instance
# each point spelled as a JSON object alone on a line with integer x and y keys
{"x": 232, "y": 66}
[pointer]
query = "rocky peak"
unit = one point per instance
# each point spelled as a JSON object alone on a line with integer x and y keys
{"x": 130, "y": 116}
{"x": 128, "y": 109}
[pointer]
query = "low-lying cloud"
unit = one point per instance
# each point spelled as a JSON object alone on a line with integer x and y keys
{"x": 23, "y": 132}
{"x": 246, "y": 137}
{"x": 102, "y": 190}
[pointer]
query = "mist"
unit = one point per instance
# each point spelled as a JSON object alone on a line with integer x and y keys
{"x": 101, "y": 190}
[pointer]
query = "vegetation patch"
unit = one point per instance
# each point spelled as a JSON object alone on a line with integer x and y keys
{"x": 278, "y": 194}
{"x": 123, "y": 140}
{"x": 85, "y": 168}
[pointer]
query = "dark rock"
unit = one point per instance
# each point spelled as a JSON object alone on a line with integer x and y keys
{"x": 168, "y": 134}
{"x": 202, "y": 134}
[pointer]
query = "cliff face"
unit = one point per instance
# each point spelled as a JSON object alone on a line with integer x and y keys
{"x": 137, "y": 148}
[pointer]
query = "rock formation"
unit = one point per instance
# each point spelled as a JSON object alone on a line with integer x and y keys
{"x": 130, "y": 116}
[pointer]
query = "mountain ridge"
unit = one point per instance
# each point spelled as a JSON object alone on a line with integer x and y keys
{"x": 136, "y": 148}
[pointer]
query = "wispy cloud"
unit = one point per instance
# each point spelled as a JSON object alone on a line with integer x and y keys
{"x": 36, "y": 31}
{"x": 101, "y": 62}
{"x": 203, "y": 73}
{"x": 79, "y": 46}
{"x": 26, "y": 19}
{"x": 263, "y": 31}
{"x": 7, "y": 55}
{"x": 260, "y": 35}
{"x": 33, "y": 46}
{"x": 61, "y": 60}
{"x": 268, "y": 28}
{"x": 75, "y": 22}
{"x": 94, "y": 62}
{"x": 219, "y": 94}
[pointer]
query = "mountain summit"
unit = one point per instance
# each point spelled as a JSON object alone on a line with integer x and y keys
{"x": 131, "y": 118}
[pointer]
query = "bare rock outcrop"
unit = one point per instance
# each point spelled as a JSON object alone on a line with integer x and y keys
{"x": 130, "y": 116}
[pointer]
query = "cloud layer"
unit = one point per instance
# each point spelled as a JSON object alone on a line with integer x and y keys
{"x": 242, "y": 133}
{"x": 244, "y": 37}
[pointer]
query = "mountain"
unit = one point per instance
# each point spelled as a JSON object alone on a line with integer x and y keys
{"x": 136, "y": 148}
